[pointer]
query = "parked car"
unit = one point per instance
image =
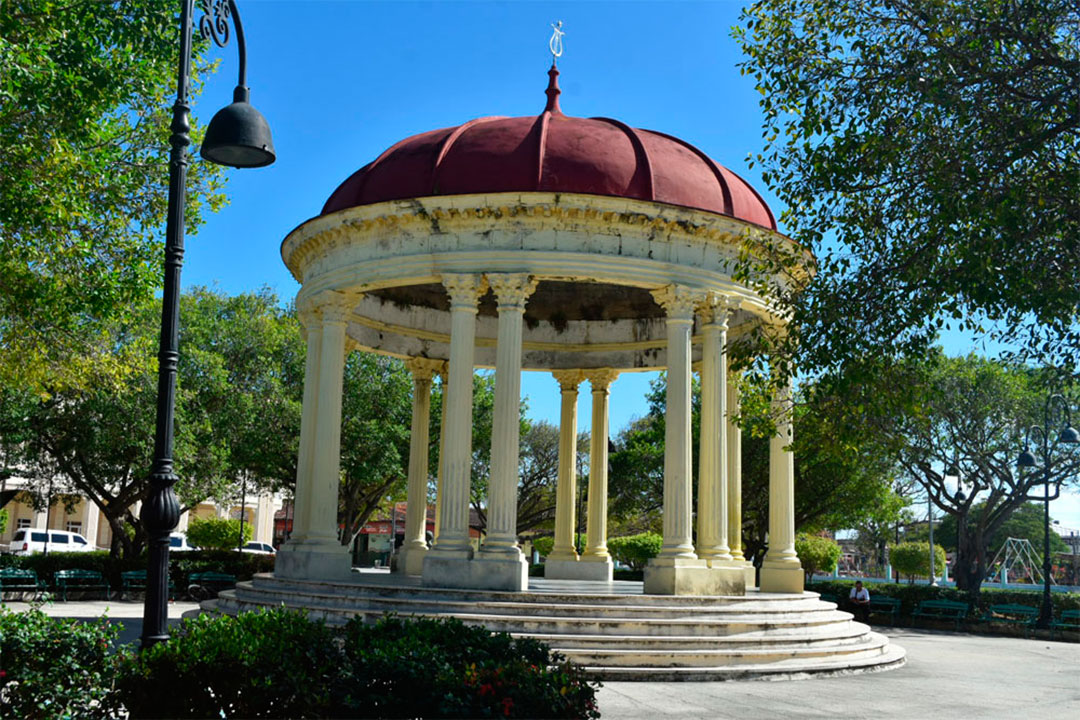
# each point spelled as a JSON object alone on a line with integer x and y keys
{"x": 28, "y": 541}
{"x": 259, "y": 548}
{"x": 178, "y": 543}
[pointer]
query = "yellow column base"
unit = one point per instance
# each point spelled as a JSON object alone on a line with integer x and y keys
{"x": 782, "y": 579}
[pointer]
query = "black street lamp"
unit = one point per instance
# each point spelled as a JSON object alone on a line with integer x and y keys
{"x": 238, "y": 136}
{"x": 1069, "y": 435}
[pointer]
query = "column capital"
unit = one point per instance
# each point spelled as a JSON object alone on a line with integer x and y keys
{"x": 568, "y": 379}
{"x": 678, "y": 301}
{"x": 512, "y": 289}
{"x": 716, "y": 309}
{"x": 424, "y": 368}
{"x": 600, "y": 378}
{"x": 696, "y": 366}
{"x": 464, "y": 289}
{"x": 329, "y": 306}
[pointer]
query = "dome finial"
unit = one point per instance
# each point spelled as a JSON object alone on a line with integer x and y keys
{"x": 553, "y": 91}
{"x": 555, "y": 43}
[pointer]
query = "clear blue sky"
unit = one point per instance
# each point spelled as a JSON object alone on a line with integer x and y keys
{"x": 340, "y": 81}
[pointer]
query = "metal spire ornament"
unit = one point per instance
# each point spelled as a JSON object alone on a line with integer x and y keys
{"x": 555, "y": 43}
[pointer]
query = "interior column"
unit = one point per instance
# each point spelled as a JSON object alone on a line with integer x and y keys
{"x": 446, "y": 564}
{"x": 442, "y": 451}
{"x": 596, "y": 552}
{"x": 410, "y": 560}
{"x": 566, "y": 488}
{"x": 781, "y": 570}
{"x": 712, "y": 542}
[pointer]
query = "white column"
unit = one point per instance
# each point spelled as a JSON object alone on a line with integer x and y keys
{"x": 91, "y": 516}
{"x": 512, "y": 291}
{"x": 712, "y": 470}
{"x": 315, "y": 552}
{"x": 263, "y": 524}
{"x": 442, "y": 452}
{"x": 678, "y": 302}
{"x": 566, "y": 489}
{"x": 734, "y": 469}
{"x": 453, "y": 538}
{"x": 781, "y": 571}
{"x": 411, "y": 558}
{"x": 596, "y": 534}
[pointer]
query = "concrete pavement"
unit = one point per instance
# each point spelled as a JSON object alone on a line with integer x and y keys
{"x": 947, "y": 676}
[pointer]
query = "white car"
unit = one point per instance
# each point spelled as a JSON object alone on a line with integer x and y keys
{"x": 28, "y": 541}
{"x": 178, "y": 543}
{"x": 259, "y": 548}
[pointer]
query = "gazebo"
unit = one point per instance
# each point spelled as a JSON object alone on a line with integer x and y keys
{"x": 582, "y": 247}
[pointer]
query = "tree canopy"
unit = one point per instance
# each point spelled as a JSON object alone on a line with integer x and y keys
{"x": 85, "y": 103}
{"x": 928, "y": 153}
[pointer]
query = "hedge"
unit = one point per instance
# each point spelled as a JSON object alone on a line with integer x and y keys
{"x": 181, "y": 564}
{"x": 280, "y": 664}
{"x": 911, "y": 595}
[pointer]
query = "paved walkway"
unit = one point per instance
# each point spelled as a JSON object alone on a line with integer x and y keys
{"x": 948, "y": 675}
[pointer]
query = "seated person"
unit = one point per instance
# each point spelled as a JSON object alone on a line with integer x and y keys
{"x": 859, "y": 600}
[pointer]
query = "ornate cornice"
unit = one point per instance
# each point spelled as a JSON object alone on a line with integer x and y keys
{"x": 597, "y": 215}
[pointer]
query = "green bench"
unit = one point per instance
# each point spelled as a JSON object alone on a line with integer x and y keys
{"x": 135, "y": 581}
{"x": 1069, "y": 620}
{"x": 947, "y": 609}
{"x": 830, "y": 598}
{"x": 886, "y": 606}
{"x": 204, "y": 585}
{"x": 1012, "y": 614}
{"x": 21, "y": 581}
{"x": 80, "y": 580}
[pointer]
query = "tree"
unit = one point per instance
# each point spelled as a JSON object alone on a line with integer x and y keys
{"x": 539, "y": 475}
{"x": 636, "y": 550}
{"x": 841, "y": 475}
{"x": 913, "y": 559}
{"x": 927, "y": 153}
{"x": 218, "y": 533}
{"x": 1026, "y": 522}
{"x": 84, "y": 119}
{"x": 236, "y": 357}
{"x": 816, "y": 553}
{"x": 967, "y": 418}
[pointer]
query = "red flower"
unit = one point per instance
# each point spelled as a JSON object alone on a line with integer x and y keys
{"x": 486, "y": 689}
{"x": 507, "y": 703}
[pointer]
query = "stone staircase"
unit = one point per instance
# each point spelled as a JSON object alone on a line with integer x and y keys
{"x": 612, "y": 630}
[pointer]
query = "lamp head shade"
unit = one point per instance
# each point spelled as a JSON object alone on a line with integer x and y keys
{"x": 1026, "y": 459}
{"x": 238, "y": 135}
{"x": 1069, "y": 435}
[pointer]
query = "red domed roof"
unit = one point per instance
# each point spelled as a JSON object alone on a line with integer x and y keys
{"x": 552, "y": 153}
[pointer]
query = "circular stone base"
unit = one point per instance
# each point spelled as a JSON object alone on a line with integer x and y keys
{"x": 611, "y": 629}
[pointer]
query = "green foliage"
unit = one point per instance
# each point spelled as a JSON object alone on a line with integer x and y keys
{"x": 910, "y": 595}
{"x": 55, "y": 668}
{"x": 443, "y": 668}
{"x": 269, "y": 664}
{"x": 913, "y": 559}
{"x": 214, "y": 533}
{"x": 817, "y": 553}
{"x": 3, "y": 520}
{"x": 635, "y": 550}
{"x": 280, "y": 664}
{"x": 927, "y": 154}
{"x": 544, "y": 544}
{"x": 84, "y": 114}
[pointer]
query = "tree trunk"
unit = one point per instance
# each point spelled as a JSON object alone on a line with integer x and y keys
{"x": 970, "y": 566}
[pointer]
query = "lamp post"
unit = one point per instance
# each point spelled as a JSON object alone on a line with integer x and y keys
{"x": 1069, "y": 435}
{"x": 238, "y": 136}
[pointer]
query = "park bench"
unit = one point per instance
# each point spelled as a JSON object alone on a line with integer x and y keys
{"x": 826, "y": 597}
{"x": 1069, "y": 620}
{"x": 135, "y": 581}
{"x": 1012, "y": 614}
{"x": 947, "y": 609}
{"x": 21, "y": 581}
{"x": 81, "y": 580}
{"x": 886, "y": 605}
{"x": 204, "y": 585}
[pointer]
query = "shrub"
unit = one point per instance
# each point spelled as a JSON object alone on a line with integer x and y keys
{"x": 55, "y": 668}
{"x": 913, "y": 559}
{"x": 3, "y": 520}
{"x": 269, "y": 664}
{"x": 635, "y": 550}
{"x": 215, "y": 533}
{"x": 817, "y": 553}
{"x": 443, "y": 668}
